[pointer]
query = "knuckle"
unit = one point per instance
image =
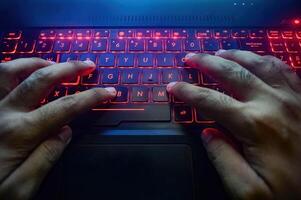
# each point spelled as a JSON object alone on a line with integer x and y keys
{"x": 51, "y": 151}
{"x": 40, "y": 75}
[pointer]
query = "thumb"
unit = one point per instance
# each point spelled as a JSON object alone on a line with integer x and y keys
{"x": 239, "y": 179}
{"x": 26, "y": 180}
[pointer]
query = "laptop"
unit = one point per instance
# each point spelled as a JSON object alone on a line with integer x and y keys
{"x": 144, "y": 144}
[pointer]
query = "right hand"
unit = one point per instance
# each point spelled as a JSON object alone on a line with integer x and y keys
{"x": 264, "y": 116}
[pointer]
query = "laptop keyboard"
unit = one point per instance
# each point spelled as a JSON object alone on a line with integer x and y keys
{"x": 139, "y": 63}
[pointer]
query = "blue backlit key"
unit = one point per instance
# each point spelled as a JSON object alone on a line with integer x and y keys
{"x": 140, "y": 94}
{"x": 170, "y": 75}
{"x": 210, "y": 45}
{"x": 173, "y": 45}
{"x": 80, "y": 45}
{"x": 165, "y": 60}
{"x": 87, "y": 56}
{"x": 125, "y": 60}
{"x": 154, "y": 45}
{"x": 122, "y": 95}
{"x": 136, "y": 45}
{"x": 109, "y": 76}
{"x": 145, "y": 60}
{"x": 99, "y": 45}
{"x": 192, "y": 45}
{"x": 190, "y": 76}
{"x": 229, "y": 44}
{"x": 150, "y": 76}
{"x": 66, "y": 57}
{"x": 117, "y": 44}
{"x": 130, "y": 76}
{"x": 180, "y": 59}
{"x": 62, "y": 46}
{"x": 106, "y": 60}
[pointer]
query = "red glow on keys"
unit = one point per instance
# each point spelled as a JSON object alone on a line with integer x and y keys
{"x": 296, "y": 21}
{"x": 121, "y": 34}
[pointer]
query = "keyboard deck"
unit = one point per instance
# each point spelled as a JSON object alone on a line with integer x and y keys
{"x": 139, "y": 63}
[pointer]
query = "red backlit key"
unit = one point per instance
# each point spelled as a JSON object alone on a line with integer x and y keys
{"x": 136, "y": 45}
{"x": 173, "y": 45}
{"x": 283, "y": 57}
{"x": 127, "y": 33}
{"x": 255, "y": 45}
{"x": 295, "y": 60}
{"x": 155, "y": 45}
{"x": 144, "y": 33}
{"x": 140, "y": 94}
{"x": 130, "y": 76}
{"x": 298, "y": 34}
{"x": 190, "y": 76}
{"x": 180, "y": 33}
{"x": 277, "y": 46}
{"x": 159, "y": 94}
{"x": 170, "y": 75}
{"x": 62, "y": 46}
{"x": 150, "y": 76}
{"x": 182, "y": 114}
{"x": 257, "y": 33}
{"x": 83, "y": 34}
{"x": 288, "y": 34}
{"x": 274, "y": 34}
{"x": 8, "y": 46}
{"x": 57, "y": 93}
{"x": 64, "y": 34}
{"x": 75, "y": 90}
{"x": 222, "y": 33}
{"x": 12, "y": 35}
{"x": 7, "y": 57}
{"x": 240, "y": 33}
{"x": 162, "y": 33}
{"x": 99, "y": 45}
{"x": 47, "y": 34}
{"x": 292, "y": 46}
{"x": 80, "y": 45}
{"x": 101, "y": 33}
{"x": 203, "y": 33}
{"x": 92, "y": 78}
{"x": 44, "y": 46}
{"x": 26, "y": 46}
{"x": 122, "y": 95}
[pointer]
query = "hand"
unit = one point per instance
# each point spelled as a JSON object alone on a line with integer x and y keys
{"x": 264, "y": 116}
{"x": 32, "y": 140}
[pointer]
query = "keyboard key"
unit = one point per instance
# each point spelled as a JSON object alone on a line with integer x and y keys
{"x": 203, "y": 33}
{"x": 62, "y": 46}
{"x": 117, "y": 45}
{"x": 288, "y": 34}
{"x": 47, "y": 34}
{"x": 165, "y": 60}
{"x": 64, "y": 34}
{"x": 92, "y": 78}
{"x": 296, "y": 61}
{"x": 80, "y": 45}
{"x": 130, "y": 76}
{"x": 240, "y": 33}
{"x": 127, "y": 33}
{"x": 87, "y": 56}
{"x": 143, "y": 33}
{"x": 12, "y": 35}
{"x": 8, "y": 46}
{"x": 180, "y": 33}
{"x": 180, "y": 59}
{"x": 160, "y": 94}
{"x": 229, "y": 44}
{"x": 210, "y": 44}
{"x": 277, "y": 46}
{"x": 122, "y": 95}
{"x": 292, "y": 46}
{"x": 76, "y": 89}
{"x": 101, "y": 33}
{"x": 192, "y": 45}
{"x": 222, "y": 33}
{"x": 255, "y": 45}
{"x": 155, "y": 45}
{"x": 190, "y": 76}
{"x": 136, "y": 45}
{"x": 125, "y": 60}
{"x": 274, "y": 34}
{"x": 183, "y": 114}
{"x": 163, "y": 33}
{"x": 145, "y": 60}
{"x": 284, "y": 57}
{"x": 170, "y": 75}
{"x": 66, "y": 57}
{"x": 150, "y": 76}
{"x": 109, "y": 76}
{"x": 298, "y": 34}
{"x": 99, "y": 45}
{"x": 173, "y": 45}
{"x": 106, "y": 60}
{"x": 257, "y": 33}
{"x": 57, "y": 93}
{"x": 44, "y": 46}
{"x": 140, "y": 94}
{"x": 83, "y": 34}
{"x": 26, "y": 46}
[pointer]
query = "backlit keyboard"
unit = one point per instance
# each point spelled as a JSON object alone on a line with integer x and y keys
{"x": 139, "y": 63}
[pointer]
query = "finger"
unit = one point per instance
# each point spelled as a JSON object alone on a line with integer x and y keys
{"x": 268, "y": 68}
{"x": 211, "y": 103}
{"x": 234, "y": 78}
{"x": 38, "y": 85}
{"x": 25, "y": 181}
{"x": 237, "y": 175}
{"x": 58, "y": 113}
{"x": 13, "y": 72}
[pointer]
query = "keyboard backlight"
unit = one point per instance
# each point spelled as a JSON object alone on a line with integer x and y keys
{"x": 297, "y": 22}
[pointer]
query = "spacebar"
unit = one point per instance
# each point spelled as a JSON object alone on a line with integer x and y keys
{"x": 117, "y": 113}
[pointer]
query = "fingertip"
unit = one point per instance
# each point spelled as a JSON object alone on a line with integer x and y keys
{"x": 112, "y": 91}
{"x": 65, "y": 135}
{"x": 170, "y": 86}
{"x": 89, "y": 63}
{"x": 210, "y": 134}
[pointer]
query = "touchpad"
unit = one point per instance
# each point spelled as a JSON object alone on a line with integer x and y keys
{"x": 140, "y": 172}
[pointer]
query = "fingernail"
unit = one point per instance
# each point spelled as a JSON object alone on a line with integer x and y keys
{"x": 170, "y": 86}
{"x": 66, "y": 135}
{"x": 219, "y": 52}
{"x": 189, "y": 55}
{"x": 89, "y": 62}
{"x": 209, "y": 134}
{"x": 111, "y": 90}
